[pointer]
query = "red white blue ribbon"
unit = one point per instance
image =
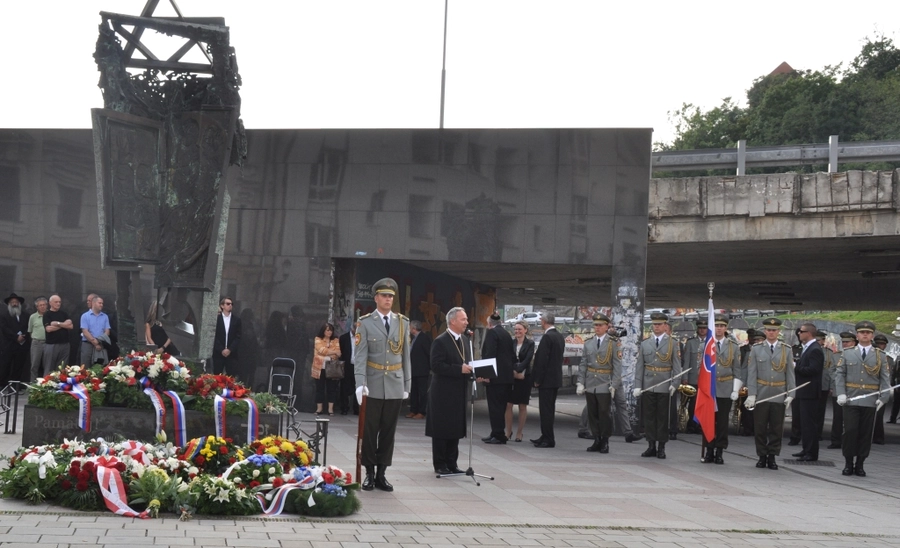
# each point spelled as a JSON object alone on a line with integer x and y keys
{"x": 113, "y": 489}
{"x": 157, "y": 402}
{"x": 278, "y": 497}
{"x": 252, "y": 414}
{"x": 178, "y": 418}
{"x": 79, "y": 392}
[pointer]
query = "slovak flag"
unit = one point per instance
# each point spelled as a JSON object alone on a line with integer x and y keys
{"x": 705, "y": 408}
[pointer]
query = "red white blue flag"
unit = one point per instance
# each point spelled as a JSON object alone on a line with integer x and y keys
{"x": 705, "y": 408}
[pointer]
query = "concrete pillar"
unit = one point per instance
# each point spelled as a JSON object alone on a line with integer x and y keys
{"x": 742, "y": 157}
{"x": 832, "y": 153}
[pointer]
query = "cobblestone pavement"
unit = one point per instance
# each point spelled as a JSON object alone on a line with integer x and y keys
{"x": 538, "y": 497}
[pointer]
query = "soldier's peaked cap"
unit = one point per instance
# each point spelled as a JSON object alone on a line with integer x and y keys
{"x": 848, "y": 336}
{"x": 865, "y": 325}
{"x": 385, "y": 285}
{"x": 721, "y": 319}
{"x": 600, "y": 319}
{"x": 658, "y": 317}
{"x": 770, "y": 323}
{"x": 879, "y": 338}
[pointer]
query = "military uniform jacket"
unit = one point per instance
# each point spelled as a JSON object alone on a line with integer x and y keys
{"x": 601, "y": 367}
{"x": 728, "y": 367}
{"x": 828, "y": 369}
{"x": 382, "y": 359}
{"x": 854, "y": 376}
{"x": 655, "y": 365}
{"x": 691, "y": 356}
{"x": 770, "y": 373}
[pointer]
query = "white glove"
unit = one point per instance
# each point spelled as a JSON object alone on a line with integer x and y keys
{"x": 842, "y": 399}
{"x": 878, "y": 405}
{"x": 612, "y": 392}
{"x": 734, "y": 396}
{"x": 671, "y": 389}
{"x": 788, "y": 400}
{"x": 738, "y": 384}
{"x": 750, "y": 402}
{"x": 636, "y": 392}
{"x": 405, "y": 395}
{"x": 579, "y": 389}
{"x": 360, "y": 392}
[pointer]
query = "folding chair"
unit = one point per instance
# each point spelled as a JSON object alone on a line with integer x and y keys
{"x": 281, "y": 379}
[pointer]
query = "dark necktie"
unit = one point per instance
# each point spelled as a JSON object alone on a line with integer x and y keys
{"x": 772, "y": 348}
{"x": 864, "y": 354}
{"x": 657, "y": 342}
{"x": 387, "y": 325}
{"x": 718, "y": 346}
{"x": 598, "y": 343}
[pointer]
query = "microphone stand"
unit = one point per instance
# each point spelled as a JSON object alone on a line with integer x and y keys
{"x": 470, "y": 472}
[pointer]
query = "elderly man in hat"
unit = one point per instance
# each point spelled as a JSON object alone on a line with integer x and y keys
{"x": 880, "y": 342}
{"x": 862, "y": 371}
{"x": 658, "y": 360}
{"x": 498, "y": 344}
{"x": 384, "y": 374}
{"x": 15, "y": 350}
{"x": 599, "y": 375}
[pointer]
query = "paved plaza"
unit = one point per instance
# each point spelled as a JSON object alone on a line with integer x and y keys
{"x": 540, "y": 497}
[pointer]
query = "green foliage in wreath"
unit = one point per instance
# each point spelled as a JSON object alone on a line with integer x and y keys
{"x": 60, "y": 401}
{"x": 326, "y": 505}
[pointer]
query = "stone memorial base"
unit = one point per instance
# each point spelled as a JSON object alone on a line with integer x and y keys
{"x": 43, "y": 426}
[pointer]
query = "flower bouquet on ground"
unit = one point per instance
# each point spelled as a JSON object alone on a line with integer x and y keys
{"x": 128, "y": 376}
{"x": 210, "y": 454}
{"x": 32, "y": 475}
{"x": 213, "y": 495}
{"x": 55, "y": 391}
{"x": 290, "y": 454}
{"x": 202, "y": 390}
{"x": 334, "y": 493}
{"x": 256, "y": 471}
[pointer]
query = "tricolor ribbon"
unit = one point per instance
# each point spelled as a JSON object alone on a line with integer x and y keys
{"x": 193, "y": 448}
{"x": 79, "y": 392}
{"x": 113, "y": 490}
{"x": 157, "y": 402}
{"x": 252, "y": 414}
{"x": 278, "y": 497}
{"x": 178, "y": 418}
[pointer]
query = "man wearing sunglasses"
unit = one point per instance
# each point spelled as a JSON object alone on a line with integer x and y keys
{"x": 809, "y": 369}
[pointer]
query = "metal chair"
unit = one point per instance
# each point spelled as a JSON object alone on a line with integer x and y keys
{"x": 281, "y": 383}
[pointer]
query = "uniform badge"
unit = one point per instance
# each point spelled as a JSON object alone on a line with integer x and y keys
{"x": 357, "y": 339}
{"x": 619, "y": 354}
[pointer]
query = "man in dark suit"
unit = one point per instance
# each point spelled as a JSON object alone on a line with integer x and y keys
{"x": 348, "y": 383}
{"x": 498, "y": 344}
{"x": 15, "y": 349}
{"x": 420, "y": 360}
{"x": 547, "y": 376}
{"x": 445, "y": 422}
{"x": 228, "y": 339}
{"x": 809, "y": 369}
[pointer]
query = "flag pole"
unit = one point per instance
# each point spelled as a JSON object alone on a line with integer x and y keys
{"x": 710, "y": 286}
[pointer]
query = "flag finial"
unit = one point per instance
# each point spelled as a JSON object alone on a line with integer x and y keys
{"x": 711, "y": 286}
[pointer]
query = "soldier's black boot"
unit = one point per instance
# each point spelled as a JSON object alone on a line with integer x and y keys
{"x": 719, "y": 459}
{"x": 858, "y": 470}
{"x": 369, "y": 483}
{"x": 762, "y": 462}
{"x": 770, "y": 462}
{"x": 848, "y": 467}
{"x": 651, "y": 450}
{"x": 381, "y": 482}
{"x": 709, "y": 458}
{"x": 604, "y": 445}
{"x": 595, "y": 447}
{"x": 661, "y": 452}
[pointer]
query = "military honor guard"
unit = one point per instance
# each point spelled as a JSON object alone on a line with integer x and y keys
{"x": 692, "y": 357}
{"x": 729, "y": 380}
{"x": 383, "y": 373}
{"x": 862, "y": 370}
{"x": 769, "y": 375}
{"x": 658, "y": 361}
{"x": 848, "y": 340}
{"x": 599, "y": 375}
{"x": 880, "y": 342}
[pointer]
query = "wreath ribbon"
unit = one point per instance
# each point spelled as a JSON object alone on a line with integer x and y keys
{"x": 78, "y": 391}
{"x": 252, "y": 414}
{"x": 113, "y": 490}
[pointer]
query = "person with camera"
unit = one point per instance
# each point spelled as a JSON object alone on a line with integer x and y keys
{"x": 327, "y": 349}
{"x": 599, "y": 375}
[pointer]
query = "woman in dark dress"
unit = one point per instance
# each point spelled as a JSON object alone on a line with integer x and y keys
{"x": 521, "y": 392}
{"x": 155, "y": 334}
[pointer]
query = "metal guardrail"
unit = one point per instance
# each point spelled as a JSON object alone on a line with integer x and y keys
{"x": 742, "y": 157}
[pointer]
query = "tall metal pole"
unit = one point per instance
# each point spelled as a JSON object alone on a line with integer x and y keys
{"x": 444, "y": 64}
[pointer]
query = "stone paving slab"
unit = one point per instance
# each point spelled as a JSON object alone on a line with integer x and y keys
{"x": 538, "y": 497}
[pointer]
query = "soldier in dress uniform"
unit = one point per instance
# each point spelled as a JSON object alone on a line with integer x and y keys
{"x": 769, "y": 374}
{"x": 729, "y": 380}
{"x": 861, "y": 370}
{"x": 848, "y": 340}
{"x": 599, "y": 376}
{"x": 658, "y": 359}
{"x": 383, "y": 372}
{"x": 753, "y": 336}
{"x": 692, "y": 357}
{"x": 880, "y": 342}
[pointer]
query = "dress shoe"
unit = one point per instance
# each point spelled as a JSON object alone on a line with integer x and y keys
{"x": 456, "y": 470}
{"x": 808, "y": 458}
{"x": 537, "y": 441}
{"x": 800, "y": 454}
{"x": 673, "y": 435}
{"x": 632, "y": 437}
{"x": 545, "y": 444}
{"x": 794, "y": 442}
{"x": 761, "y": 463}
{"x": 719, "y": 459}
{"x": 709, "y": 457}
{"x": 418, "y": 416}
{"x": 770, "y": 462}
{"x": 892, "y": 421}
{"x": 442, "y": 471}
{"x": 604, "y": 445}
{"x": 858, "y": 470}
{"x": 486, "y": 439}
{"x": 661, "y": 452}
{"x": 494, "y": 441}
{"x": 585, "y": 435}
{"x": 878, "y": 442}
{"x": 382, "y": 483}
{"x": 369, "y": 483}
{"x": 595, "y": 447}
{"x": 651, "y": 450}
{"x": 834, "y": 446}
{"x": 410, "y": 415}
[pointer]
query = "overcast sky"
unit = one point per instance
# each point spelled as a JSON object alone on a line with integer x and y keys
{"x": 510, "y": 63}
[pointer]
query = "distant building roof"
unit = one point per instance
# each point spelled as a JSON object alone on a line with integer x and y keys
{"x": 783, "y": 68}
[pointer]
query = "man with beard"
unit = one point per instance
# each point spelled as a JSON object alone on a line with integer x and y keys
{"x": 15, "y": 350}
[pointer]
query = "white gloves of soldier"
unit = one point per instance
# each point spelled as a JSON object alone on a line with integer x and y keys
{"x": 842, "y": 399}
{"x": 788, "y": 400}
{"x": 405, "y": 395}
{"x": 579, "y": 389}
{"x": 360, "y": 392}
{"x": 612, "y": 392}
{"x": 636, "y": 392}
{"x": 671, "y": 389}
{"x": 878, "y": 405}
{"x": 736, "y": 389}
{"x": 750, "y": 402}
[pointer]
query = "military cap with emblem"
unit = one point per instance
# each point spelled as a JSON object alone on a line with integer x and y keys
{"x": 721, "y": 319}
{"x": 600, "y": 319}
{"x": 387, "y": 286}
{"x": 658, "y": 317}
{"x": 848, "y": 336}
{"x": 701, "y": 325}
{"x": 770, "y": 323}
{"x": 865, "y": 325}
{"x": 821, "y": 334}
{"x": 879, "y": 338}
{"x": 755, "y": 334}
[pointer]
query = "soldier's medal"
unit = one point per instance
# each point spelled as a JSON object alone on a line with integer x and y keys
{"x": 619, "y": 354}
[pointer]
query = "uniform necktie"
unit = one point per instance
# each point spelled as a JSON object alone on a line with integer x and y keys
{"x": 657, "y": 342}
{"x": 718, "y": 345}
{"x": 772, "y": 348}
{"x": 864, "y": 354}
{"x": 598, "y": 343}
{"x": 387, "y": 325}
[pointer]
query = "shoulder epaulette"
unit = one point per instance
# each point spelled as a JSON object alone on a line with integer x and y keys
{"x": 759, "y": 343}
{"x": 365, "y": 316}
{"x": 404, "y": 317}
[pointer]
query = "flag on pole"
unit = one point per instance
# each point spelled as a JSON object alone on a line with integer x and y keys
{"x": 705, "y": 408}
